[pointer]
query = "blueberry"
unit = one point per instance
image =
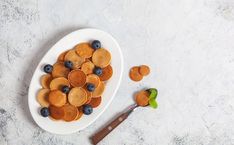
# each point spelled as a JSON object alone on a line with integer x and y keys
{"x": 65, "y": 89}
{"x": 68, "y": 64}
{"x": 96, "y": 44}
{"x": 97, "y": 71}
{"x": 87, "y": 109}
{"x": 48, "y": 68}
{"x": 45, "y": 112}
{"x": 90, "y": 87}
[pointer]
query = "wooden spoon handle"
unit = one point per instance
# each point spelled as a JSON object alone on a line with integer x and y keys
{"x": 106, "y": 130}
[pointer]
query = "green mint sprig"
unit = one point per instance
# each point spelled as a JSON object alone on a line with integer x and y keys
{"x": 152, "y": 97}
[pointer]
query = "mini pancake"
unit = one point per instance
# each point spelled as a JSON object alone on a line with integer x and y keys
{"x": 106, "y": 73}
{"x": 57, "y": 98}
{"x": 45, "y": 81}
{"x": 101, "y": 57}
{"x": 134, "y": 74}
{"x": 70, "y": 112}
{"x": 56, "y": 112}
{"x": 58, "y": 83}
{"x": 74, "y": 58}
{"x": 142, "y": 98}
{"x": 89, "y": 94}
{"x": 59, "y": 70}
{"x": 88, "y": 101}
{"x": 93, "y": 79}
{"x": 77, "y": 96}
{"x": 77, "y": 78}
{"x": 79, "y": 114}
{"x": 95, "y": 102}
{"x": 42, "y": 97}
{"x": 84, "y": 50}
{"x": 62, "y": 56}
{"x": 99, "y": 90}
{"x": 144, "y": 70}
{"x": 87, "y": 67}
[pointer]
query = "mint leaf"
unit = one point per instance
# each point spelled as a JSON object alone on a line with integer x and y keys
{"x": 153, "y": 93}
{"x": 153, "y": 103}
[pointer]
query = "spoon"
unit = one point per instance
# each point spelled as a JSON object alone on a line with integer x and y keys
{"x": 96, "y": 138}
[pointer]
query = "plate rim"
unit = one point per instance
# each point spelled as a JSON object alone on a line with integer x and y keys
{"x": 105, "y": 106}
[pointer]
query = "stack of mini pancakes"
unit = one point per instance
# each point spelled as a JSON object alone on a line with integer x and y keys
{"x": 68, "y": 106}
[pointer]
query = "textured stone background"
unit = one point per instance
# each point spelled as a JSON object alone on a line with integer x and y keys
{"x": 189, "y": 45}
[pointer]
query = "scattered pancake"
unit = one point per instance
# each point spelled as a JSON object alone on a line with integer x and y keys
{"x": 58, "y": 83}
{"x": 99, "y": 90}
{"x": 56, "y": 112}
{"x": 138, "y": 72}
{"x": 59, "y": 70}
{"x": 70, "y": 112}
{"x": 142, "y": 98}
{"x": 84, "y": 50}
{"x": 62, "y": 56}
{"x": 42, "y": 97}
{"x": 134, "y": 74}
{"x": 77, "y": 78}
{"x": 74, "y": 58}
{"x": 77, "y": 96}
{"x": 87, "y": 67}
{"x": 45, "y": 81}
{"x": 106, "y": 73}
{"x": 101, "y": 57}
{"x": 57, "y": 98}
{"x": 95, "y": 102}
{"x": 144, "y": 70}
{"x": 93, "y": 79}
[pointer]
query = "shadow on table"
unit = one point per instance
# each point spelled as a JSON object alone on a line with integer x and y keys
{"x": 40, "y": 52}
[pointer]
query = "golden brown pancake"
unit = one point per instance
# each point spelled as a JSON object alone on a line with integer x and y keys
{"x": 77, "y": 96}
{"x": 57, "y": 98}
{"x": 93, "y": 79}
{"x": 42, "y": 97}
{"x": 45, "y": 81}
{"x": 84, "y": 50}
{"x": 99, "y": 90}
{"x": 59, "y": 70}
{"x": 58, "y": 83}
{"x": 77, "y": 78}
{"x": 106, "y": 73}
{"x": 134, "y": 74}
{"x": 144, "y": 70}
{"x": 70, "y": 112}
{"x": 101, "y": 57}
{"x": 74, "y": 58}
{"x": 56, "y": 112}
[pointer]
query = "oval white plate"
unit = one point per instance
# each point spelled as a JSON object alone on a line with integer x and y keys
{"x": 69, "y": 41}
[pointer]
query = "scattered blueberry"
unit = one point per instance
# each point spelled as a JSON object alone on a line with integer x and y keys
{"x": 96, "y": 44}
{"x": 87, "y": 109}
{"x": 90, "y": 87}
{"x": 48, "y": 68}
{"x": 65, "y": 89}
{"x": 45, "y": 112}
{"x": 97, "y": 71}
{"x": 68, "y": 64}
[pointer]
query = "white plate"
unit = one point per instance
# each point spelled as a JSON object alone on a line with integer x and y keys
{"x": 69, "y": 41}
